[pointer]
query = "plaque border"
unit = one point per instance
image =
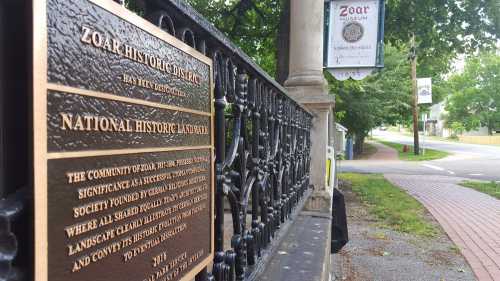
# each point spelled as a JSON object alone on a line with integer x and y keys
{"x": 39, "y": 109}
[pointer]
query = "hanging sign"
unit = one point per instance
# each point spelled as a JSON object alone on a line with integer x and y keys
{"x": 424, "y": 89}
{"x": 354, "y": 38}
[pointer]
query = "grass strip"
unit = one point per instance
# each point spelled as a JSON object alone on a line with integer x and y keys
{"x": 490, "y": 188}
{"x": 430, "y": 154}
{"x": 395, "y": 209}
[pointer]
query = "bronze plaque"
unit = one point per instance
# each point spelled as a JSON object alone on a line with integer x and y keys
{"x": 123, "y": 147}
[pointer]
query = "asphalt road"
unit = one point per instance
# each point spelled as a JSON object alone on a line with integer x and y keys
{"x": 471, "y": 161}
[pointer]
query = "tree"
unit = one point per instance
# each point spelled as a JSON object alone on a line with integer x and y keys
{"x": 443, "y": 28}
{"x": 356, "y": 109}
{"x": 475, "y": 98}
{"x": 252, "y": 25}
{"x": 259, "y": 27}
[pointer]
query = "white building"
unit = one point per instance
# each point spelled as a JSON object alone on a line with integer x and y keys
{"x": 436, "y": 123}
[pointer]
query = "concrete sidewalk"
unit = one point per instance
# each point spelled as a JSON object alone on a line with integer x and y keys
{"x": 470, "y": 218}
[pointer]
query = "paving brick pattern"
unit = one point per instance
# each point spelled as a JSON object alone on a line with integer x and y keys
{"x": 470, "y": 218}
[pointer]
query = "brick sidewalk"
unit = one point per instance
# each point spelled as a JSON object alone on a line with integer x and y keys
{"x": 470, "y": 218}
{"x": 383, "y": 152}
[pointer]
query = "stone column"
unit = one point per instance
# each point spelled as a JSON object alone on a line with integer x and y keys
{"x": 308, "y": 86}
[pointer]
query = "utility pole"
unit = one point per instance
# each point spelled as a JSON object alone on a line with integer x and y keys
{"x": 413, "y": 58}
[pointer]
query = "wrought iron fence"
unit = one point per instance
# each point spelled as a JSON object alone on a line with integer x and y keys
{"x": 262, "y": 141}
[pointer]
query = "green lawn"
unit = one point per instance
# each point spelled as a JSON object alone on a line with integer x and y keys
{"x": 392, "y": 206}
{"x": 430, "y": 154}
{"x": 491, "y": 188}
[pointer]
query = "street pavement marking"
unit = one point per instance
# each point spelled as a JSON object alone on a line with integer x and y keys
{"x": 476, "y": 175}
{"x": 433, "y": 167}
{"x": 451, "y": 172}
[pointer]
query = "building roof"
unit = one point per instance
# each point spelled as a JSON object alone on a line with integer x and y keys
{"x": 340, "y": 127}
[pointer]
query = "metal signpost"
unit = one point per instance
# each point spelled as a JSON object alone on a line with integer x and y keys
{"x": 424, "y": 96}
{"x": 424, "y": 119}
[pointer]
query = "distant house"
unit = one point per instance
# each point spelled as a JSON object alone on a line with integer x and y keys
{"x": 340, "y": 138}
{"x": 436, "y": 123}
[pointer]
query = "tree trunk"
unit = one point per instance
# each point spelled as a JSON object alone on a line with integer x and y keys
{"x": 358, "y": 144}
{"x": 283, "y": 44}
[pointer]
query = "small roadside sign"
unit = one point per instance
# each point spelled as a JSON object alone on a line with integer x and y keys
{"x": 424, "y": 89}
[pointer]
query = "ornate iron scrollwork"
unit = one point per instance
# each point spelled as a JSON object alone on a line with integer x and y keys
{"x": 262, "y": 142}
{"x": 10, "y": 209}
